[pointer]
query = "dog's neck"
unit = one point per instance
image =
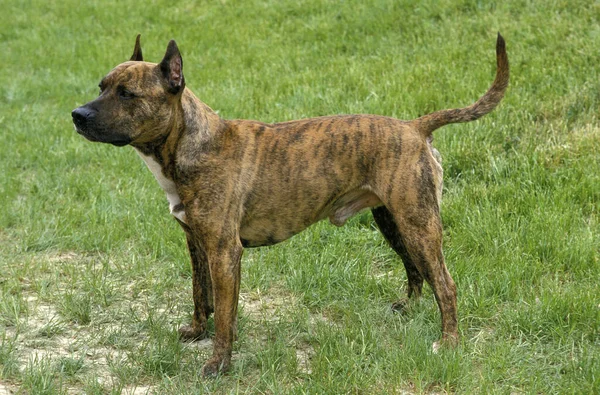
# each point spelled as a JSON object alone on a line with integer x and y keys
{"x": 193, "y": 120}
{"x": 198, "y": 119}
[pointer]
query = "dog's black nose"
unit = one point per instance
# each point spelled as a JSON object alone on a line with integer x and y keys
{"x": 82, "y": 116}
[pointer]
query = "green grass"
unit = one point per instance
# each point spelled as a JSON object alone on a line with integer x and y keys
{"x": 94, "y": 275}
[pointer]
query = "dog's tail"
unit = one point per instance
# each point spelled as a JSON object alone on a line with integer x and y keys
{"x": 430, "y": 122}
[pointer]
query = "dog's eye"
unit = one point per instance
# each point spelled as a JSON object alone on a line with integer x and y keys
{"x": 125, "y": 94}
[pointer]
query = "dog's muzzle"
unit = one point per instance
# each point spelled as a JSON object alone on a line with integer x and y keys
{"x": 85, "y": 124}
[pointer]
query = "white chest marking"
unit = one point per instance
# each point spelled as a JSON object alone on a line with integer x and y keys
{"x": 175, "y": 206}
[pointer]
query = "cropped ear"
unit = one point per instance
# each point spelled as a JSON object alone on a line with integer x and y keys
{"x": 137, "y": 51}
{"x": 172, "y": 68}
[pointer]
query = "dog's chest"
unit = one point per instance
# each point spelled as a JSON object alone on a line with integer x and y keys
{"x": 175, "y": 206}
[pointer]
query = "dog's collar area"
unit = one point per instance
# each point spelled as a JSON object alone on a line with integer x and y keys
{"x": 176, "y": 207}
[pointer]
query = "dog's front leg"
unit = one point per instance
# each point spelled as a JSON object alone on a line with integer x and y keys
{"x": 224, "y": 257}
{"x": 201, "y": 290}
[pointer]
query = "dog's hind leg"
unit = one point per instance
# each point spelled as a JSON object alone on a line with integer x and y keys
{"x": 411, "y": 218}
{"x": 389, "y": 229}
{"x": 421, "y": 233}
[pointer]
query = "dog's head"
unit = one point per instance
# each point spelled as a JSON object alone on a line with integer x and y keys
{"x": 138, "y": 100}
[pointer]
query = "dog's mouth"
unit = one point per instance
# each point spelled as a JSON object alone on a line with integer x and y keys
{"x": 84, "y": 132}
{"x": 118, "y": 141}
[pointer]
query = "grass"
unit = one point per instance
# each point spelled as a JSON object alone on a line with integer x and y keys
{"x": 94, "y": 276}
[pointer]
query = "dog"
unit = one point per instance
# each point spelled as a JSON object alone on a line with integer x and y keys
{"x": 235, "y": 184}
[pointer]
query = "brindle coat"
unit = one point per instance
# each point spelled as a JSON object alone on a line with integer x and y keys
{"x": 237, "y": 183}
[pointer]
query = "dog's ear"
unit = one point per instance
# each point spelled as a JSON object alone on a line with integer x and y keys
{"x": 137, "y": 51}
{"x": 172, "y": 68}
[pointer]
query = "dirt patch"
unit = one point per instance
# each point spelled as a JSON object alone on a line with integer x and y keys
{"x": 39, "y": 340}
{"x": 304, "y": 354}
{"x": 142, "y": 390}
{"x": 273, "y": 307}
{"x": 46, "y": 337}
{"x": 267, "y": 306}
{"x": 5, "y": 390}
{"x": 62, "y": 257}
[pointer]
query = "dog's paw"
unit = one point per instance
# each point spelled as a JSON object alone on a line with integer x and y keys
{"x": 189, "y": 333}
{"x": 447, "y": 342}
{"x": 215, "y": 366}
{"x": 400, "y": 306}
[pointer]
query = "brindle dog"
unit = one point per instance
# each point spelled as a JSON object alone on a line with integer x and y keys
{"x": 238, "y": 183}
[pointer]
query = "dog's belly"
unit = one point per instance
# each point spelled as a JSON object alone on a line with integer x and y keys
{"x": 273, "y": 227}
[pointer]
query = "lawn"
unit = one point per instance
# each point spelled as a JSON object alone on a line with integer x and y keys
{"x": 94, "y": 272}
